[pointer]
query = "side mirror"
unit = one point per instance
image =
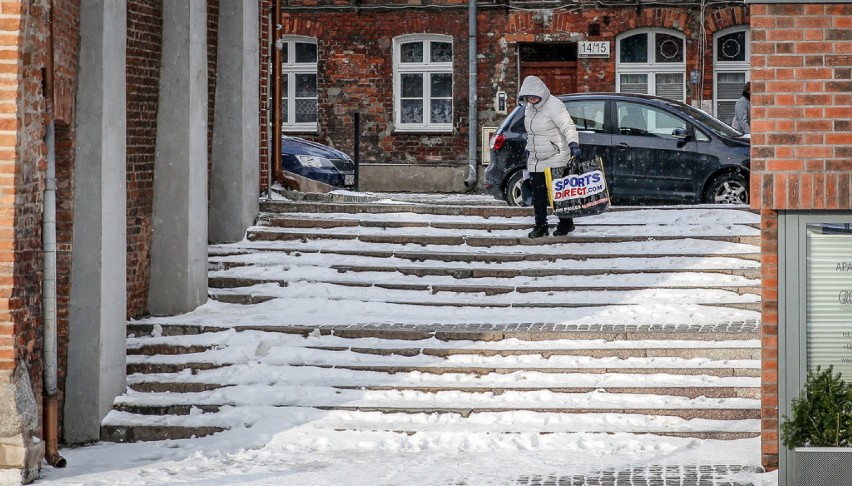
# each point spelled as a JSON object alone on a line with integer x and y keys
{"x": 680, "y": 133}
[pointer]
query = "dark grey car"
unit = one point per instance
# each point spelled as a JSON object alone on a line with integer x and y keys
{"x": 655, "y": 151}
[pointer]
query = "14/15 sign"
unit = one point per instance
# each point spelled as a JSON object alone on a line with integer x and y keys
{"x": 593, "y": 49}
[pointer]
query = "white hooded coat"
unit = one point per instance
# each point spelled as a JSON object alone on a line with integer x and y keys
{"x": 549, "y": 127}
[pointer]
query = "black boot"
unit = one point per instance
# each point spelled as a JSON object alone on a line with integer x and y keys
{"x": 564, "y": 227}
{"x": 539, "y": 231}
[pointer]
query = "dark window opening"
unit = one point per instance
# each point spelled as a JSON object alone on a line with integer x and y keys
{"x": 549, "y": 52}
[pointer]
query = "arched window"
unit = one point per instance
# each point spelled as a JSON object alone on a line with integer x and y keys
{"x": 652, "y": 61}
{"x": 731, "y": 69}
{"x": 299, "y": 83}
{"x": 423, "y": 82}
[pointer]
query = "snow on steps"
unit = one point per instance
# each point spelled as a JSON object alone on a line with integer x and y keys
{"x": 641, "y": 321}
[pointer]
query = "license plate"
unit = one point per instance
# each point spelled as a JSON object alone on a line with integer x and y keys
{"x": 349, "y": 179}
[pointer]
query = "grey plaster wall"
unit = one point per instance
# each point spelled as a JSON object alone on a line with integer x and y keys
{"x": 178, "y": 276}
{"x": 98, "y": 311}
{"x": 235, "y": 177}
{"x": 415, "y": 178}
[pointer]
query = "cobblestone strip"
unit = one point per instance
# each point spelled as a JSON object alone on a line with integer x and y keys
{"x": 655, "y": 475}
{"x": 752, "y": 325}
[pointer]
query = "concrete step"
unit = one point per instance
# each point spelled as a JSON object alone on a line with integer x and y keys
{"x": 470, "y": 285}
{"x": 683, "y": 391}
{"x": 685, "y": 413}
{"x": 127, "y": 427}
{"x": 268, "y": 234}
{"x": 462, "y": 273}
{"x": 251, "y": 298}
{"x": 481, "y": 371}
{"x": 219, "y": 255}
{"x": 686, "y": 353}
{"x": 393, "y": 221}
{"x": 472, "y": 332}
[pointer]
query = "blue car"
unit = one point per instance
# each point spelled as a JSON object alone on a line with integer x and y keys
{"x": 317, "y": 162}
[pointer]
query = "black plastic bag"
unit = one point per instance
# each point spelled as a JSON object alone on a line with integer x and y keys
{"x": 526, "y": 192}
{"x": 579, "y": 189}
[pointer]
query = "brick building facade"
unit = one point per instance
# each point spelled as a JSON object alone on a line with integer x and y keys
{"x": 25, "y": 36}
{"x": 355, "y": 71}
{"x": 801, "y": 156}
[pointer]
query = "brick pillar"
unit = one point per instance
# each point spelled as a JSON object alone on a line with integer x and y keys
{"x": 801, "y": 145}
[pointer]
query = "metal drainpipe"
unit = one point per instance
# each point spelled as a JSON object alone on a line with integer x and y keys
{"x": 472, "y": 175}
{"x": 50, "y": 407}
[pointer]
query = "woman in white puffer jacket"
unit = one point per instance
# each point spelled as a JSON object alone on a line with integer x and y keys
{"x": 551, "y": 142}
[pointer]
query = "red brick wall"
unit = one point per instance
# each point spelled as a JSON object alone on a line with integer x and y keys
{"x": 24, "y": 303}
{"x": 212, "y": 50}
{"x": 357, "y": 45}
{"x": 801, "y": 143}
{"x": 265, "y": 9}
{"x": 12, "y": 92}
{"x": 144, "y": 37}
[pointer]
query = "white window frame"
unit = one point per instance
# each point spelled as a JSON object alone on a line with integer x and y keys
{"x": 426, "y": 68}
{"x": 289, "y": 70}
{"x": 730, "y": 66}
{"x": 650, "y": 68}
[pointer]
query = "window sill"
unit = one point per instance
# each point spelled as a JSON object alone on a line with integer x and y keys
{"x": 423, "y": 131}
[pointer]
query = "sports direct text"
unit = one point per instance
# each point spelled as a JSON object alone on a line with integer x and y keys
{"x": 576, "y": 186}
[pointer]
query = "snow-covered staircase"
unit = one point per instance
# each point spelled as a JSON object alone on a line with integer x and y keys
{"x": 406, "y": 318}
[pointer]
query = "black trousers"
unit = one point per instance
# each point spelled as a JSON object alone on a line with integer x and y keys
{"x": 540, "y": 202}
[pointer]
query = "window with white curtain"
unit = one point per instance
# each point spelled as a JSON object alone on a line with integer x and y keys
{"x": 299, "y": 84}
{"x": 730, "y": 69}
{"x": 652, "y": 61}
{"x": 423, "y": 83}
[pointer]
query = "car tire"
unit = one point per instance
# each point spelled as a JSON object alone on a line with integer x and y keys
{"x": 512, "y": 191}
{"x": 730, "y": 188}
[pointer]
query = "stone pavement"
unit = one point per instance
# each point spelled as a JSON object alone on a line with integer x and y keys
{"x": 655, "y": 475}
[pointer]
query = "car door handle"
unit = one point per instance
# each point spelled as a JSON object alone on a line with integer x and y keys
{"x": 622, "y": 146}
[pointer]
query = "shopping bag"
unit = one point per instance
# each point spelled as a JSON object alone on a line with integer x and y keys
{"x": 579, "y": 189}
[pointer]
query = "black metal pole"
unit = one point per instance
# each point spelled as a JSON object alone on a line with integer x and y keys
{"x": 357, "y": 148}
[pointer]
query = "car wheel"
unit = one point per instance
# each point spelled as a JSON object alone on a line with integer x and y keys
{"x": 512, "y": 192}
{"x": 730, "y": 188}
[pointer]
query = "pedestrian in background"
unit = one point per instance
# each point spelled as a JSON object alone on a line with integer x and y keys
{"x": 551, "y": 142}
{"x": 742, "y": 111}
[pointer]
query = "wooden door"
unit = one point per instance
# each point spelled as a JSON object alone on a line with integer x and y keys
{"x": 559, "y": 76}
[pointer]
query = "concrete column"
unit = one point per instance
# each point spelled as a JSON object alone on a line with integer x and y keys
{"x": 235, "y": 177}
{"x": 178, "y": 278}
{"x": 98, "y": 312}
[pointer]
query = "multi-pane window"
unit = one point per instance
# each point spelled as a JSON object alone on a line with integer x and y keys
{"x": 299, "y": 84}
{"x": 651, "y": 61}
{"x": 731, "y": 69}
{"x": 423, "y": 82}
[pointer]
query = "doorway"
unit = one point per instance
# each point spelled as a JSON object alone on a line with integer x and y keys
{"x": 554, "y": 63}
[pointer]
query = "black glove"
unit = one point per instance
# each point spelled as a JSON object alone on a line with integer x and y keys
{"x": 575, "y": 150}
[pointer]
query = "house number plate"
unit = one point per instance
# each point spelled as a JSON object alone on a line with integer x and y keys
{"x": 593, "y": 49}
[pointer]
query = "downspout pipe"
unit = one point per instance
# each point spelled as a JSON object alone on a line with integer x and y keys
{"x": 470, "y": 182}
{"x": 50, "y": 405}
